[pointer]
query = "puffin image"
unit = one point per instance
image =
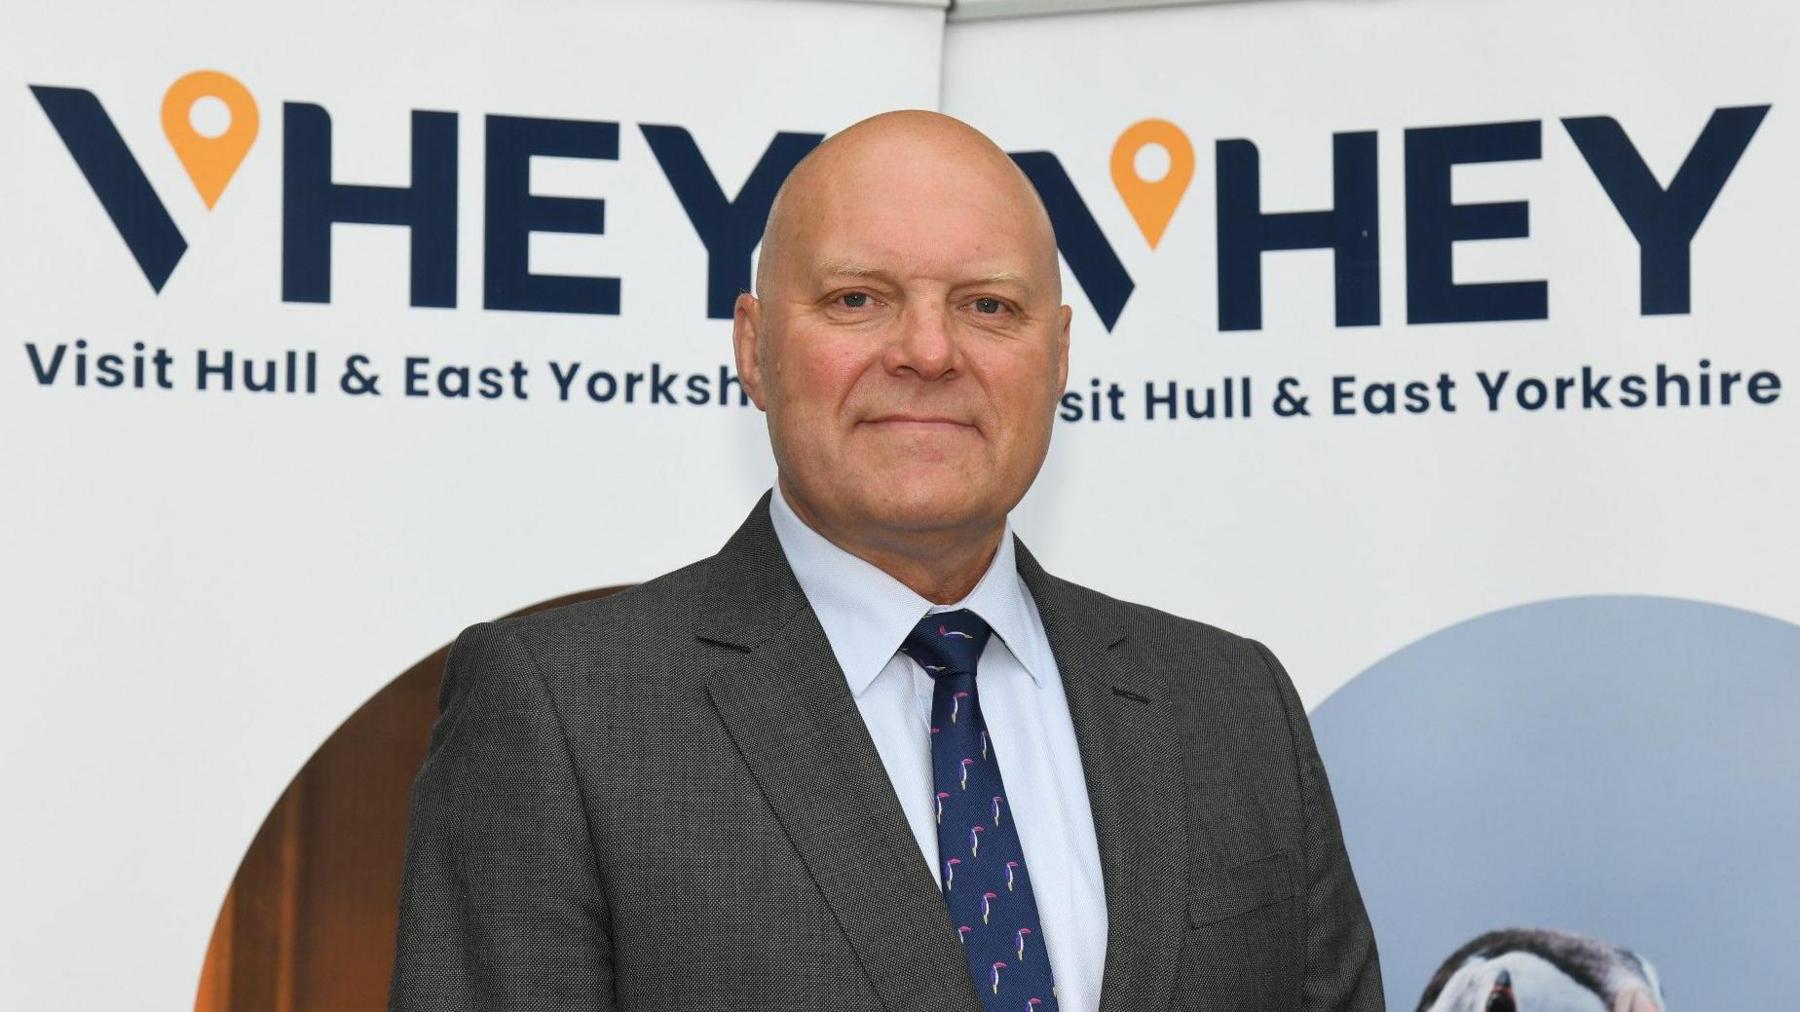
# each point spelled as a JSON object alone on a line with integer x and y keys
{"x": 1543, "y": 970}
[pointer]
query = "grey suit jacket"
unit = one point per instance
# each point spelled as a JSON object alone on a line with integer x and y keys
{"x": 666, "y": 799}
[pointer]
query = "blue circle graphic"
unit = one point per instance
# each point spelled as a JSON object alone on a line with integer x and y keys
{"x": 1625, "y": 768}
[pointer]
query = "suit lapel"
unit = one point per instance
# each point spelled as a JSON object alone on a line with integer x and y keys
{"x": 1124, "y": 728}
{"x": 787, "y": 707}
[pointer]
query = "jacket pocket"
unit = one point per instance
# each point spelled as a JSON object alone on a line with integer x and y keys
{"x": 1228, "y": 892}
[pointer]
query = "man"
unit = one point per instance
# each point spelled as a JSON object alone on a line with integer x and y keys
{"x": 773, "y": 780}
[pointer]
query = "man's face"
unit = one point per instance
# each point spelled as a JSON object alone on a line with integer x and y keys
{"x": 909, "y": 346}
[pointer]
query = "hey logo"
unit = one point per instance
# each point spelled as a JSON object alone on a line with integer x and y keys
{"x": 313, "y": 200}
{"x": 117, "y": 179}
{"x": 1662, "y": 217}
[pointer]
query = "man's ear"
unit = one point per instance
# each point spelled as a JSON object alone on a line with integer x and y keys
{"x": 746, "y": 335}
{"x": 1062, "y": 351}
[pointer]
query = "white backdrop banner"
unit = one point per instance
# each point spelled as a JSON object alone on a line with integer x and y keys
{"x": 1392, "y": 316}
{"x": 1407, "y": 335}
{"x": 407, "y": 317}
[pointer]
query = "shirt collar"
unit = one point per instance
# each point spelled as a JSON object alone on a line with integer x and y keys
{"x": 866, "y": 614}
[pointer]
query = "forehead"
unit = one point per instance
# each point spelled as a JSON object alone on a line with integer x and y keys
{"x": 916, "y": 216}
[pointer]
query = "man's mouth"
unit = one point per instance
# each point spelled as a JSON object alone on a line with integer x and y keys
{"x": 922, "y": 422}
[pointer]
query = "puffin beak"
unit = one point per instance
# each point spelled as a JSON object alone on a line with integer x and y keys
{"x": 1633, "y": 999}
{"x": 1500, "y": 999}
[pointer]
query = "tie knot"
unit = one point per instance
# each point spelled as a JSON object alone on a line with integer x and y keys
{"x": 948, "y": 643}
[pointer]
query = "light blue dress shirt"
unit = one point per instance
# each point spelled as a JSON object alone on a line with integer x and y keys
{"x": 866, "y": 615}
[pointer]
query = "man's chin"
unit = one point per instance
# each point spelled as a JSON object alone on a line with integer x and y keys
{"x": 927, "y": 507}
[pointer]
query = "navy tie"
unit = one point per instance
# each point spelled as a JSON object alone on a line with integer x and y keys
{"x": 981, "y": 867}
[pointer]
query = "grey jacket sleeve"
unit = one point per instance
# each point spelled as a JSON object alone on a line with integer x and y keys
{"x": 1342, "y": 971}
{"x": 501, "y": 903}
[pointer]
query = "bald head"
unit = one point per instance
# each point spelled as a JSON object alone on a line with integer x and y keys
{"x": 908, "y": 157}
{"x": 908, "y": 342}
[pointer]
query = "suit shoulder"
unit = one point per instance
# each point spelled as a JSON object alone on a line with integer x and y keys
{"x": 1174, "y": 642}
{"x": 636, "y": 609}
{"x": 581, "y": 652}
{"x": 1144, "y": 620}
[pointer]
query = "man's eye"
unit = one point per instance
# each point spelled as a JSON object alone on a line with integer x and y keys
{"x": 989, "y": 305}
{"x": 854, "y": 300}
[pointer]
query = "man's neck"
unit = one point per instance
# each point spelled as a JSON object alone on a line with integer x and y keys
{"x": 941, "y": 566}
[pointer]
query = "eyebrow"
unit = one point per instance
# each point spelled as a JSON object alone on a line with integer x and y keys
{"x": 1000, "y": 278}
{"x": 845, "y": 268}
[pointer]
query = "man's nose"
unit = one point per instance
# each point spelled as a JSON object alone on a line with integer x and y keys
{"x": 923, "y": 344}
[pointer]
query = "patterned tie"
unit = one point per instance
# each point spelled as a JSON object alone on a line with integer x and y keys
{"x": 981, "y": 866}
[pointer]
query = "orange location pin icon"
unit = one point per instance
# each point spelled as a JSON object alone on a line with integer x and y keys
{"x": 210, "y": 161}
{"x": 1152, "y": 201}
